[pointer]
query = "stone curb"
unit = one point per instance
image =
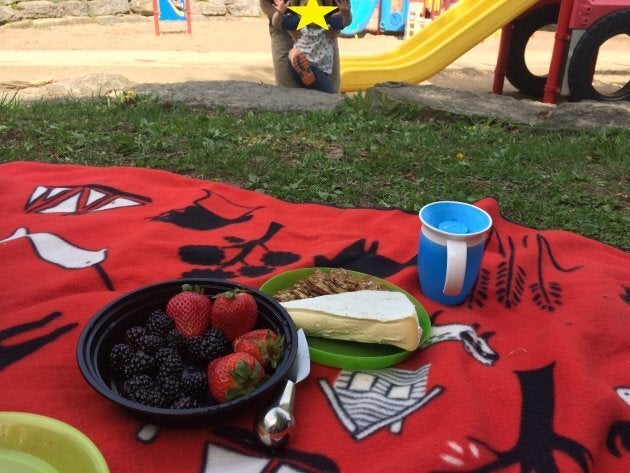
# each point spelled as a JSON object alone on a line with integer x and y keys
{"x": 241, "y": 96}
{"x": 428, "y": 101}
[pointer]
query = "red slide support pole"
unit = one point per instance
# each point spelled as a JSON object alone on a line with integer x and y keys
{"x": 557, "y": 56}
{"x": 502, "y": 59}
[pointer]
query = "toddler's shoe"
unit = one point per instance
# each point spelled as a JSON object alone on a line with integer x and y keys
{"x": 303, "y": 69}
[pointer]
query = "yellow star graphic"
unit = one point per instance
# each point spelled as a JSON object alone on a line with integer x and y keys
{"x": 312, "y": 13}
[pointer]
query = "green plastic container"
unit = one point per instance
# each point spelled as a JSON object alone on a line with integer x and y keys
{"x": 31, "y": 443}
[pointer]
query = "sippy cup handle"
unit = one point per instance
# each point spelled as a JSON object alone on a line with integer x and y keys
{"x": 456, "y": 252}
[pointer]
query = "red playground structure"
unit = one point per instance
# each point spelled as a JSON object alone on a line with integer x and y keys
{"x": 582, "y": 27}
{"x": 440, "y": 31}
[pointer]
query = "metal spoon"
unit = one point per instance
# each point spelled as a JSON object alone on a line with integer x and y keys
{"x": 274, "y": 423}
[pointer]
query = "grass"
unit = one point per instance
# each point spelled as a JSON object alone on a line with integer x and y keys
{"x": 574, "y": 180}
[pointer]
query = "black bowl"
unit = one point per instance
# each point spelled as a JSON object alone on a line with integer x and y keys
{"x": 107, "y": 328}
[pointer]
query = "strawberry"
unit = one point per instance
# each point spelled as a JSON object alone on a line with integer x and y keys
{"x": 263, "y": 344}
{"x": 234, "y": 375}
{"x": 234, "y": 313}
{"x": 190, "y": 311}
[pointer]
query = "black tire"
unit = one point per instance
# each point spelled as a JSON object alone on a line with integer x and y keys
{"x": 517, "y": 71}
{"x": 584, "y": 57}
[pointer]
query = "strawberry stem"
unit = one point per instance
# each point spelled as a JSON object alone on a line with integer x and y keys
{"x": 190, "y": 288}
{"x": 247, "y": 378}
{"x": 231, "y": 294}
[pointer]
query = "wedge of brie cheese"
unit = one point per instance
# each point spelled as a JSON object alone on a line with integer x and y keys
{"x": 385, "y": 317}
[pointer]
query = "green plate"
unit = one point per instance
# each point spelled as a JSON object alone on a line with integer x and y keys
{"x": 30, "y": 443}
{"x": 345, "y": 354}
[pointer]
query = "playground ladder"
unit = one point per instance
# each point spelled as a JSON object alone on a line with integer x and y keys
{"x": 416, "y": 18}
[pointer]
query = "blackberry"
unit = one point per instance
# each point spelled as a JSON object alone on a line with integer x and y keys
{"x": 195, "y": 384}
{"x": 149, "y": 397}
{"x": 195, "y": 348}
{"x": 175, "y": 339}
{"x": 164, "y": 353}
{"x": 139, "y": 363}
{"x": 120, "y": 355}
{"x": 211, "y": 345}
{"x": 159, "y": 323}
{"x": 185, "y": 402}
{"x": 136, "y": 383}
{"x": 133, "y": 334}
{"x": 216, "y": 334}
{"x": 149, "y": 343}
{"x": 171, "y": 388}
{"x": 171, "y": 366}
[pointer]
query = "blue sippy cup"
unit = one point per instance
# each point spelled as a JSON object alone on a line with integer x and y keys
{"x": 452, "y": 240}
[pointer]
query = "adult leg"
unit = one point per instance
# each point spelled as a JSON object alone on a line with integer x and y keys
{"x": 335, "y": 76}
{"x": 336, "y": 23}
{"x": 281, "y": 44}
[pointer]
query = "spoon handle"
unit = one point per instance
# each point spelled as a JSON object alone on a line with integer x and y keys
{"x": 275, "y": 422}
{"x": 286, "y": 397}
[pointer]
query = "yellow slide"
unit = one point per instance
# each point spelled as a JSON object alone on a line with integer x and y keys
{"x": 431, "y": 49}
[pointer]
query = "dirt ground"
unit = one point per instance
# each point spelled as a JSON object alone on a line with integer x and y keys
{"x": 224, "y": 48}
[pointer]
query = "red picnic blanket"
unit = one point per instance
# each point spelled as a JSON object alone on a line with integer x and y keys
{"x": 531, "y": 373}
